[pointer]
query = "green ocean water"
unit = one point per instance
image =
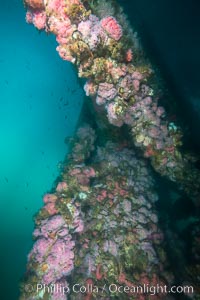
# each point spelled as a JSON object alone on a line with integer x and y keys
{"x": 40, "y": 102}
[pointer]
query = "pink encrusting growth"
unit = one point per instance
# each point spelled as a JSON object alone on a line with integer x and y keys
{"x": 121, "y": 225}
{"x": 112, "y": 27}
{"x": 34, "y": 4}
{"x": 91, "y": 31}
{"x": 62, "y": 186}
{"x": 39, "y": 20}
{"x": 106, "y": 91}
{"x": 53, "y": 252}
{"x": 129, "y": 55}
{"x": 50, "y": 200}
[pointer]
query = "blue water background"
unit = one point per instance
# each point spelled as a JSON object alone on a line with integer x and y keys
{"x": 40, "y": 102}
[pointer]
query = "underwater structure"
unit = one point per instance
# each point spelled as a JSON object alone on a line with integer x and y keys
{"x": 97, "y": 236}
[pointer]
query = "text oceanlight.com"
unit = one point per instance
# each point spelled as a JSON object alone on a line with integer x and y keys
{"x": 113, "y": 288}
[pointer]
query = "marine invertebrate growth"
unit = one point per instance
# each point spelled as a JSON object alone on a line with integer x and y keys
{"x": 101, "y": 217}
{"x": 34, "y": 4}
{"x": 120, "y": 241}
{"x": 52, "y": 256}
{"x": 106, "y": 53}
